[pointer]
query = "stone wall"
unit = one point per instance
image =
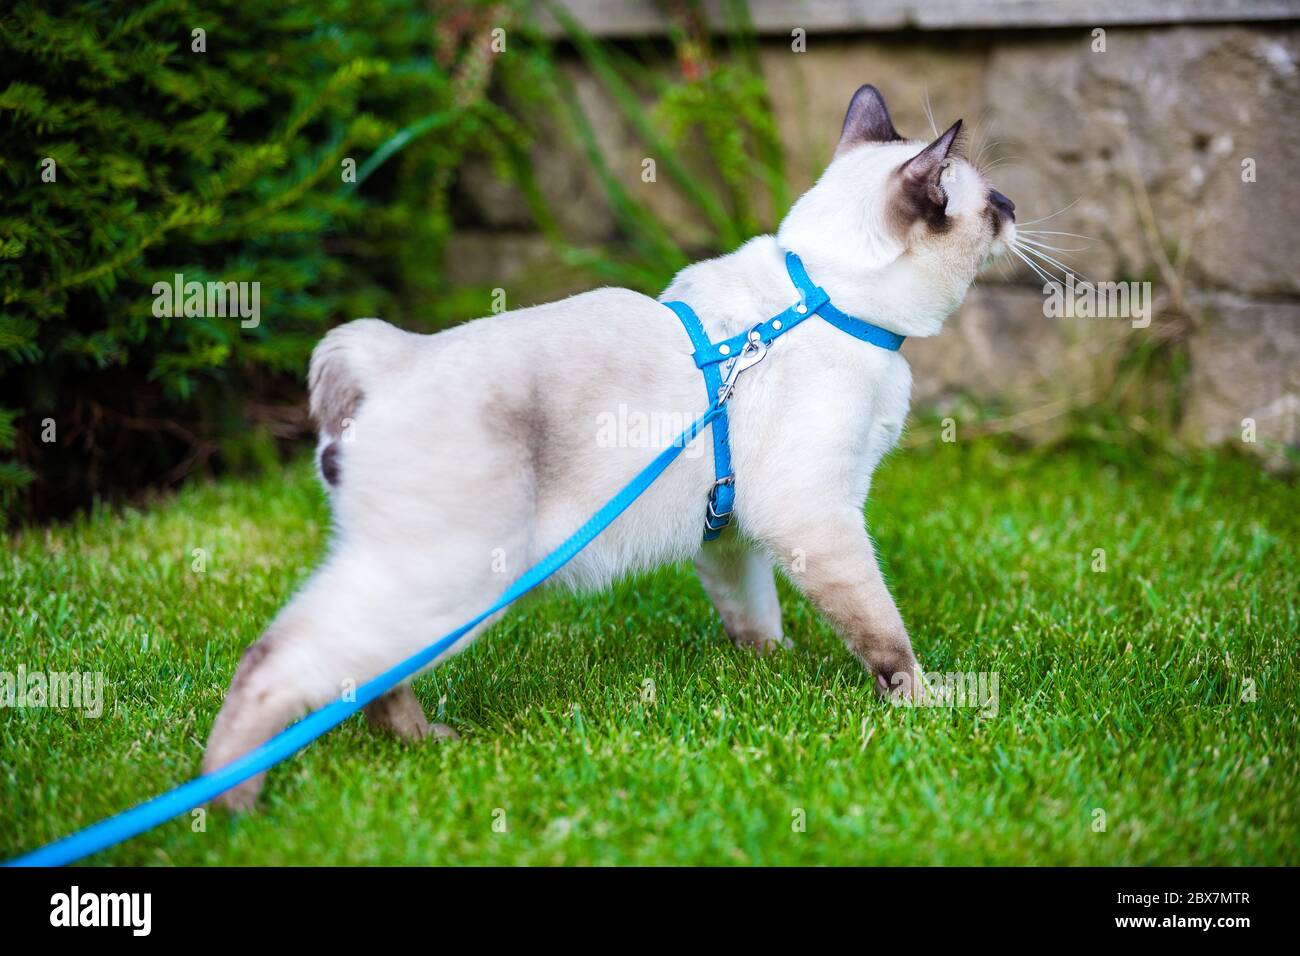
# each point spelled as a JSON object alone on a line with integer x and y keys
{"x": 1141, "y": 145}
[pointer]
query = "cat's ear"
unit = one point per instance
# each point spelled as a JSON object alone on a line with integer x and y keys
{"x": 921, "y": 172}
{"x": 867, "y": 120}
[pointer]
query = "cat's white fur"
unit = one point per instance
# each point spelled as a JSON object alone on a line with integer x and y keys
{"x": 466, "y": 456}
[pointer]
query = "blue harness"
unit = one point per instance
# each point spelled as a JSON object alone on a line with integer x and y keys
{"x": 745, "y": 351}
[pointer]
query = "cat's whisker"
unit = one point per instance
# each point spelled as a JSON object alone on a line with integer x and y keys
{"x": 1052, "y": 260}
{"x": 1043, "y": 277}
{"x": 929, "y": 113}
{"x": 981, "y": 135}
{"x": 1006, "y": 161}
{"x": 1046, "y": 262}
{"x": 1001, "y": 159}
{"x": 1061, "y": 280}
{"x": 1043, "y": 245}
{"x": 1041, "y": 257}
{"x": 1053, "y": 215}
{"x": 1050, "y": 232}
{"x": 1025, "y": 259}
{"x": 985, "y": 148}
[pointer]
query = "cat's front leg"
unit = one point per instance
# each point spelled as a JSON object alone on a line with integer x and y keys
{"x": 831, "y": 559}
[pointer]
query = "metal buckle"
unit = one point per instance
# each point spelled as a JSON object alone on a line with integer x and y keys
{"x": 713, "y": 514}
{"x": 755, "y": 351}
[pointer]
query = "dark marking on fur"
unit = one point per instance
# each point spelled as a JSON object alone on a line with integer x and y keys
{"x": 918, "y": 193}
{"x": 523, "y": 421}
{"x": 867, "y": 120}
{"x": 914, "y": 202}
{"x": 329, "y": 464}
{"x": 334, "y": 390}
{"x": 252, "y": 658}
{"x": 995, "y": 221}
{"x": 253, "y": 655}
{"x": 534, "y": 429}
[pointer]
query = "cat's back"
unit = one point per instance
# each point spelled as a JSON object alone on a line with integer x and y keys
{"x": 600, "y": 325}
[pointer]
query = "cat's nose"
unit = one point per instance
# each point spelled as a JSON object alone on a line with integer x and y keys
{"x": 1002, "y": 204}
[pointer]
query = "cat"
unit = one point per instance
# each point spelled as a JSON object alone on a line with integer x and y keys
{"x": 455, "y": 461}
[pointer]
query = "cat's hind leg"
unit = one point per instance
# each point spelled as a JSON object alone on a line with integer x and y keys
{"x": 400, "y": 712}
{"x": 355, "y": 618}
{"x": 738, "y": 578}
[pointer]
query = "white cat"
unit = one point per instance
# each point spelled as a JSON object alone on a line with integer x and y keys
{"x": 457, "y": 460}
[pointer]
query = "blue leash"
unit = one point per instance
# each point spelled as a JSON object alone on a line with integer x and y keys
{"x": 743, "y": 351}
{"x": 187, "y": 796}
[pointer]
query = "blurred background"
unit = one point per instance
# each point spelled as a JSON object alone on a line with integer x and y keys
{"x": 430, "y": 162}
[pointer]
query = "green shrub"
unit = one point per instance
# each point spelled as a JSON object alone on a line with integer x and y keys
{"x": 133, "y": 149}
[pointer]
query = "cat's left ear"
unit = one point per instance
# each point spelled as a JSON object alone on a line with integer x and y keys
{"x": 867, "y": 120}
{"x": 922, "y": 171}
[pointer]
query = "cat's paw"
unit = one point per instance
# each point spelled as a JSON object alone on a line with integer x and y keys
{"x": 902, "y": 681}
{"x": 758, "y": 641}
{"x": 443, "y": 732}
{"x": 241, "y": 799}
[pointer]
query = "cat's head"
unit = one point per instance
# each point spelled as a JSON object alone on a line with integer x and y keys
{"x": 896, "y": 229}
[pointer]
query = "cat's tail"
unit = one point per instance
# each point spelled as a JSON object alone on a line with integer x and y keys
{"x": 347, "y": 364}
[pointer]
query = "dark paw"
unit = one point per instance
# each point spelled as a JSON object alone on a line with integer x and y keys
{"x": 901, "y": 680}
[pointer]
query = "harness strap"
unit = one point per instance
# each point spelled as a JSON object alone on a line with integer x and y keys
{"x": 723, "y": 494}
{"x": 813, "y": 300}
{"x": 857, "y": 328}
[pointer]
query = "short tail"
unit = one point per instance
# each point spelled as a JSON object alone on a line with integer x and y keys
{"x": 348, "y": 363}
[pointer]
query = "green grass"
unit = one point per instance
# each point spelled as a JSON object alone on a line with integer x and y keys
{"x": 1120, "y": 691}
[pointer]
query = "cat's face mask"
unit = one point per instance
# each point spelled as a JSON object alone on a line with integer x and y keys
{"x": 911, "y": 222}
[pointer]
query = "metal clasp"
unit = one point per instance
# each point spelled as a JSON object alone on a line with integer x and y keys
{"x": 755, "y": 351}
{"x": 717, "y": 520}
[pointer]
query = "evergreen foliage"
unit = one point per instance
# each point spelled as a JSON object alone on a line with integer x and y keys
{"x": 134, "y": 148}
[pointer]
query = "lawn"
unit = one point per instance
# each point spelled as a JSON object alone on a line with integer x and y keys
{"x": 1157, "y": 697}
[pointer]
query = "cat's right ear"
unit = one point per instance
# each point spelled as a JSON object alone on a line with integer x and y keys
{"x": 921, "y": 173}
{"x": 867, "y": 120}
